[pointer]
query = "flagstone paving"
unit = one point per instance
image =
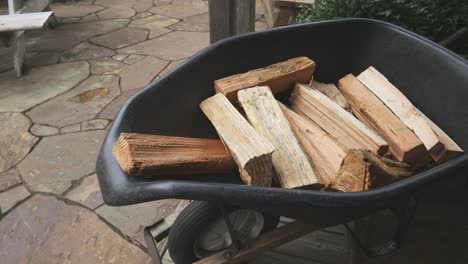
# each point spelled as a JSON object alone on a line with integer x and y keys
{"x": 54, "y": 119}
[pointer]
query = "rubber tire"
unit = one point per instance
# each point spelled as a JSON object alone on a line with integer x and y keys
{"x": 189, "y": 224}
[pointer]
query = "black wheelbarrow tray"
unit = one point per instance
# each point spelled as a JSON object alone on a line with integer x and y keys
{"x": 432, "y": 77}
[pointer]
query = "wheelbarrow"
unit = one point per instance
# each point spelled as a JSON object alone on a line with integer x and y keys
{"x": 432, "y": 77}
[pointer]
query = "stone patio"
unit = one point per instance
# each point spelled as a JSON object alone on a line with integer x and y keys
{"x": 54, "y": 118}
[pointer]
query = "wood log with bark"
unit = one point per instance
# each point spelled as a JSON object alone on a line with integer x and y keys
{"x": 397, "y": 102}
{"x": 336, "y": 121}
{"x": 251, "y": 151}
{"x": 279, "y": 77}
{"x": 404, "y": 144}
{"x": 154, "y": 155}
{"x": 291, "y": 164}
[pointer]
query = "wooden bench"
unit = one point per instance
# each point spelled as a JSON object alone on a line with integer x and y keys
{"x": 288, "y": 10}
{"x": 22, "y": 16}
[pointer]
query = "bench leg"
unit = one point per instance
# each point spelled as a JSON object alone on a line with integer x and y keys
{"x": 18, "y": 52}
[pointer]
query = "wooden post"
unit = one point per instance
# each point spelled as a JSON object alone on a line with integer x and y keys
{"x": 231, "y": 17}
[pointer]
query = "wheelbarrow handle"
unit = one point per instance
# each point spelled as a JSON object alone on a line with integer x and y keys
{"x": 405, "y": 215}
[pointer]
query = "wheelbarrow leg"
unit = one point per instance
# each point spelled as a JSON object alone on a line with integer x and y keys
{"x": 404, "y": 216}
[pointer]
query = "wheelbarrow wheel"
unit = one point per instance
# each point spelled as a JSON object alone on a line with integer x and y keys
{"x": 200, "y": 230}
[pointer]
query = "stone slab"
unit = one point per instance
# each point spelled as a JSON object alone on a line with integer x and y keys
{"x": 87, "y": 193}
{"x": 44, "y": 131}
{"x": 94, "y": 124}
{"x": 121, "y": 38}
{"x": 39, "y": 85}
{"x": 61, "y": 10}
{"x": 57, "y": 161}
{"x": 79, "y": 104}
{"x": 67, "y": 36}
{"x": 133, "y": 58}
{"x": 111, "y": 110}
{"x": 141, "y": 73}
{"x": 15, "y": 139}
{"x": 70, "y": 129}
{"x": 85, "y": 51}
{"x": 9, "y": 179}
{"x": 42, "y": 59}
{"x": 172, "y": 46}
{"x": 106, "y": 66}
{"x": 172, "y": 66}
{"x": 153, "y": 22}
{"x": 133, "y": 218}
{"x": 10, "y": 198}
{"x": 116, "y": 12}
{"x": 55, "y": 232}
{"x": 181, "y": 11}
{"x": 158, "y": 32}
{"x": 197, "y": 23}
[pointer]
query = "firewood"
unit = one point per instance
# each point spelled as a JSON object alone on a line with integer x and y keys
{"x": 404, "y": 144}
{"x": 324, "y": 151}
{"x": 332, "y": 92}
{"x": 363, "y": 170}
{"x": 450, "y": 149}
{"x": 343, "y": 169}
{"x": 279, "y": 77}
{"x": 336, "y": 121}
{"x": 154, "y": 155}
{"x": 291, "y": 164}
{"x": 251, "y": 151}
{"x": 397, "y": 102}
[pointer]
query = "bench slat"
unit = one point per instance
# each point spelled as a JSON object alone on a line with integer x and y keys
{"x": 24, "y": 21}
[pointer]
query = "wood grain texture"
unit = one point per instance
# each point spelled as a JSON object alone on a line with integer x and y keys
{"x": 336, "y": 121}
{"x": 397, "y": 102}
{"x": 332, "y": 92}
{"x": 363, "y": 170}
{"x": 279, "y": 77}
{"x": 154, "y": 155}
{"x": 404, "y": 144}
{"x": 291, "y": 164}
{"x": 324, "y": 151}
{"x": 450, "y": 148}
{"x": 251, "y": 151}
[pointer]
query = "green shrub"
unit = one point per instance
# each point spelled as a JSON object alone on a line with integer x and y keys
{"x": 435, "y": 19}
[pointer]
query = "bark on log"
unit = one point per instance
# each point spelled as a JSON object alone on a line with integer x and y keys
{"x": 154, "y": 155}
{"x": 363, "y": 170}
{"x": 279, "y": 77}
{"x": 291, "y": 164}
{"x": 251, "y": 151}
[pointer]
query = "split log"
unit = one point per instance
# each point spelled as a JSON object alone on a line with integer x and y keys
{"x": 404, "y": 144}
{"x": 324, "y": 151}
{"x": 450, "y": 148}
{"x": 397, "y": 102}
{"x": 291, "y": 164}
{"x": 363, "y": 170}
{"x": 251, "y": 151}
{"x": 279, "y": 77}
{"x": 340, "y": 168}
{"x": 332, "y": 92}
{"x": 153, "y": 155}
{"x": 336, "y": 121}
